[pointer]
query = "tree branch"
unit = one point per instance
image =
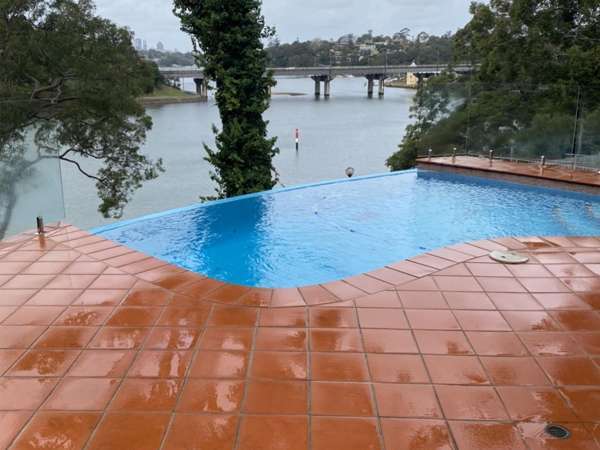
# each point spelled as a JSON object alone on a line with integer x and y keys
{"x": 65, "y": 153}
{"x": 93, "y": 177}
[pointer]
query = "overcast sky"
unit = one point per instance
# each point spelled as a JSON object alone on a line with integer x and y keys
{"x": 154, "y": 21}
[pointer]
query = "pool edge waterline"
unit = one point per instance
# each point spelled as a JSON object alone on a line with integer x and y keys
{"x": 274, "y": 191}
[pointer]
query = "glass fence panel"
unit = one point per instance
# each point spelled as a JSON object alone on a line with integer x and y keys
{"x": 523, "y": 122}
{"x": 30, "y": 178}
{"x": 440, "y": 116}
{"x": 587, "y": 137}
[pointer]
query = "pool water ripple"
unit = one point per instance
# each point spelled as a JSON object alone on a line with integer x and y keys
{"x": 324, "y": 232}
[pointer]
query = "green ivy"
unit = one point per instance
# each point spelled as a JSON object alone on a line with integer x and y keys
{"x": 227, "y": 37}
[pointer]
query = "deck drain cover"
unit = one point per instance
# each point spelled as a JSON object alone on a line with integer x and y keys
{"x": 508, "y": 257}
{"x": 557, "y": 431}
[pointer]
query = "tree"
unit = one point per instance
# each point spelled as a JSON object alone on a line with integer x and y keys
{"x": 228, "y": 36}
{"x": 536, "y": 89}
{"x": 70, "y": 80}
{"x": 435, "y": 121}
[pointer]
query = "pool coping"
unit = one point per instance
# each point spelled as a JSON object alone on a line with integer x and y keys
{"x": 390, "y": 276}
{"x": 553, "y": 177}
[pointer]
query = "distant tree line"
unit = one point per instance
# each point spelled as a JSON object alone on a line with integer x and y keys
{"x": 169, "y": 59}
{"x": 363, "y": 50}
{"x": 367, "y": 49}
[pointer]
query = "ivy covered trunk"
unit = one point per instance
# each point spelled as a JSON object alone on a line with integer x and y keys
{"x": 227, "y": 37}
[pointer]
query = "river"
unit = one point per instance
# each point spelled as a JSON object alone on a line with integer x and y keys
{"x": 346, "y": 130}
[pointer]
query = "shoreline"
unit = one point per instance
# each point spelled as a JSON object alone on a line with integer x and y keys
{"x": 166, "y": 95}
{"x": 397, "y": 85}
{"x": 288, "y": 94}
{"x": 172, "y": 100}
{"x": 159, "y": 101}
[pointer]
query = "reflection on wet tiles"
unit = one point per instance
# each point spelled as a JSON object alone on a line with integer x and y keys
{"x": 119, "y": 338}
{"x": 24, "y": 393}
{"x": 146, "y": 395}
{"x": 83, "y": 316}
{"x": 102, "y": 363}
{"x": 211, "y": 396}
{"x": 481, "y": 435}
{"x": 416, "y": 434}
{"x": 43, "y": 363}
{"x": 172, "y": 338}
{"x": 57, "y": 431}
{"x": 227, "y": 339}
{"x": 215, "y": 364}
{"x": 161, "y": 364}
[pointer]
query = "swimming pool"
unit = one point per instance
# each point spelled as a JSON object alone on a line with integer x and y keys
{"x": 318, "y": 233}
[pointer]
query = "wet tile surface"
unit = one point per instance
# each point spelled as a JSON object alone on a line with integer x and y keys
{"x": 273, "y": 432}
{"x": 103, "y": 347}
{"x": 416, "y": 434}
{"x": 480, "y": 435}
{"x": 213, "y": 432}
{"x": 401, "y": 400}
{"x": 57, "y": 430}
{"x": 513, "y": 168}
{"x": 330, "y": 433}
{"x": 82, "y": 394}
{"x": 130, "y": 431}
{"x": 211, "y": 396}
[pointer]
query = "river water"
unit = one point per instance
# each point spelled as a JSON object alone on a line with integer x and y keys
{"x": 347, "y": 130}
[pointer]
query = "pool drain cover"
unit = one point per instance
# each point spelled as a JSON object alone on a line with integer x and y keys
{"x": 557, "y": 431}
{"x": 508, "y": 257}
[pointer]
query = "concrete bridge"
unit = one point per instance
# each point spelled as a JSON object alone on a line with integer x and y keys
{"x": 325, "y": 74}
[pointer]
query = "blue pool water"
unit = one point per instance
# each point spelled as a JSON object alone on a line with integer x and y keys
{"x": 314, "y": 234}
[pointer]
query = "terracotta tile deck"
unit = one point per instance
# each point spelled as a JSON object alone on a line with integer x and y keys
{"x": 550, "y": 173}
{"x": 104, "y": 347}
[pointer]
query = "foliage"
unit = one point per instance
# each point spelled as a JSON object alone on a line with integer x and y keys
{"x": 407, "y": 155}
{"x": 69, "y": 80}
{"x": 166, "y": 91}
{"x": 364, "y": 50}
{"x": 537, "y": 78}
{"x": 229, "y": 35}
{"x": 150, "y": 78}
{"x": 400, "y": 48}
{"x": 432, "y": 121}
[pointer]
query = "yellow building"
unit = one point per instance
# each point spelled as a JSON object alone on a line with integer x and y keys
{"x": 411, "y": 80}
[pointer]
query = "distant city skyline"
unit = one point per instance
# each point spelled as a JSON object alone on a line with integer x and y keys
{"x": 154, "y": 22}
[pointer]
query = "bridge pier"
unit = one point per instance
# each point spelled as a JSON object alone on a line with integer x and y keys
{"x": 370, "y": 86}
{"x": 326, "y": 79}
{"x": 202, "y": 88}
{"x": 327, "y": 84}
{"x": 380, "y": 77}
